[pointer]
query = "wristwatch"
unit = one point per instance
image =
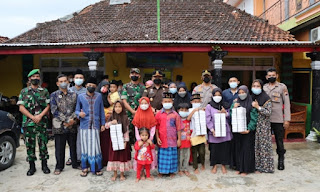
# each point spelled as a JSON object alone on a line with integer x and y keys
{"x": 259, "y": 108}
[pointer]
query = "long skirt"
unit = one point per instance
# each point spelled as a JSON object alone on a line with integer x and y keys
{"x": 220, "y": 153}
{"x": 168, "y": 160}
{"x": 104, "y": 137}
{"x": 119, "y": 160}
{"x": 90, "y": 149}
{"x": 245, "y": 162}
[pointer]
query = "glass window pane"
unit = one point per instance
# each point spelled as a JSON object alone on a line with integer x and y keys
{"x": 264, "y": 61}
{"x": 238, "y": 61}
{"x": 50, "y": 63}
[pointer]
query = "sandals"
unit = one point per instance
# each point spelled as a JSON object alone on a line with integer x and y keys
{"x": 57, "y": 171}
{"x": 69, "y": 162}
{"x": 84, "y": 173}
{"x": 99, "y": 173}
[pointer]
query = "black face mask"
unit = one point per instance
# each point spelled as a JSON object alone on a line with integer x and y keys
{"x": 272, "y": 79}
{"x": 134, "y": 78}
{"x": 91, "y": 89}
{"x": 157, "y": 81}
{"x": 206, "y": 79}
{"x": 35, "y": 81}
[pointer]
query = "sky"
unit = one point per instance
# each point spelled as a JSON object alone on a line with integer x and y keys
{"x": 19, "y": 16}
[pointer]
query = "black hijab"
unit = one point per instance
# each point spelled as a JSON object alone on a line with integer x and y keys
{"x": 177, "y": 100}
{"x": 222, "y": 103}
{"x": 247, "y": 102}
{"x": 263, "y": 97}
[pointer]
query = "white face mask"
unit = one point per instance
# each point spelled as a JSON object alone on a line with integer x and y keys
{"x": 144, "y": 106}
{"x": 217, "y": 99}
{"x": 196, "y": 105}
{"x": 78, "y": 81}
{"x": 167, "y": 105}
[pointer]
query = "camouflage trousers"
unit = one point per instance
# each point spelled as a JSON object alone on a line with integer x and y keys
{"x": 36, "y": 132}
{"x": 132, "y": 138}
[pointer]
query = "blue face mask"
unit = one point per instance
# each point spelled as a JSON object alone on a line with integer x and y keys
{"x": 167, "y": 105}
{"x": 184, "y": 114}
{"x": 196, "y": 105}
{"x": 256, "y": 91}
{"x": 233, "y": 85}
{"x": 78, "y": 82}
{"x": 173, "y": 90}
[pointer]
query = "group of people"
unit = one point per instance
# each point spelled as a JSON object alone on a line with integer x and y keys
{"x": 166, "y": 126}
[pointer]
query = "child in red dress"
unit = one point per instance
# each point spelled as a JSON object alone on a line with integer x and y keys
{"x": 143, "y": 154}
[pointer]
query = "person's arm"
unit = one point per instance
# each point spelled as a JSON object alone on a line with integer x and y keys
{"x": 25, "y": 112}
{"x": 78, "y": 107}
{"x": 191, "y": 114}
{"x": 102, "y": 115}
{"x": 137, "y": 133}
{"x": 209, "y": 119}
{"x": 179, "y": 128}
{"x": 54, "y": 107}
{"x": 253, "y": 121}
{"x": 266, "y": 109}
{"x": 152, "y": 132}
{"x": 157, "y": 130}
{"x": 286, "y": 111}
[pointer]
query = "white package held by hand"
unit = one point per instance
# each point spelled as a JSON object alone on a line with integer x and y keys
{"x": 239, "y": 119}
{"x": 220, "y": 125}
{"x": 200, "y": 123}
{"x": 116, "y": 137}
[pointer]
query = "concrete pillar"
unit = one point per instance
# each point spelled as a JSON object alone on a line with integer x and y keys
{"x": 315, "y": 66}
{"x": 216, "y": 59}
{"x": 93, "y": 61}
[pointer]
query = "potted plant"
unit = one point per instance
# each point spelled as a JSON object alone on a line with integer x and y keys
{"x": 317, "y": 134}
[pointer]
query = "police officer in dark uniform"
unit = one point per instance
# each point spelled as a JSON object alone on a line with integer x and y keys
{"x": 154, "y": 93}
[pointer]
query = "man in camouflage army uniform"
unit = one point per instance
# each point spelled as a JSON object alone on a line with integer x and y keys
{"x": 154, "y": 93}
{"x": 281, "y": 115}
{"x": 34, "y": 105}
{"x": 130, "y": 96}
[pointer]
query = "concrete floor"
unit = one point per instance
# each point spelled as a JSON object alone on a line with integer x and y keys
{"x": 301, "y": 174}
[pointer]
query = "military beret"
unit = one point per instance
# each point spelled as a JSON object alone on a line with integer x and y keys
{"x": 34, "y": 71}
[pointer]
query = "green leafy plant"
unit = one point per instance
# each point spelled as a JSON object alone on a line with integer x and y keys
{"x": 317, "y": 132}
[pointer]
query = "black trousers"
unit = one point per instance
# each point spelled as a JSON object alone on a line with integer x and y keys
{"x": 60, "y": 146}
{"x": 198, "y": 150}
{"x": 278, "y": 131}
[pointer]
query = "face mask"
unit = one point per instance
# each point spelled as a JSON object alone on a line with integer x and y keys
{"x": 206, "y": 79}
{"x": 157, "y": 81}
{"x": 103, "y": 89}
{"x": 70, "y": 80}
{"x": 217, "y": 99}
{"x": 91, "y": 89}
{"x": 233, "y": 85}
{"x": 196, "y": 105}
{"x": 134, "y": 78}
{"x": 272, "y": 79}
{"x": 63, "y": 85}
{"x": 35, "y": 81}
{"x": 173, "y": 90}
{"x": 167, "y": 105}
{"x": 243, "y": 96}
{"x": 182, "y": 94}
{"x": 256, "y": 91}
{"x": 144, "y": 106}
{"x": 183, "y": 114}
{"x": 78, "y": 82}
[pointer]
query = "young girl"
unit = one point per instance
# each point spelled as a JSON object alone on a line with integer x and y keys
{"x": 144, "y": 118}
{"x": 119, "y": 160}
{"x": 244, "y": 143}
{"x": 219, "y": 146}
{"x": 143, "y": 154}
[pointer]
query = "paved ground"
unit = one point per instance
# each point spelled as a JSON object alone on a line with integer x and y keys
{"x": 301, "y": 174}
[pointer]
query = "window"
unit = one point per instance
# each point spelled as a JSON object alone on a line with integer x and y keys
{"x": 300, "y": 90}
{"x": 51, "y": 67}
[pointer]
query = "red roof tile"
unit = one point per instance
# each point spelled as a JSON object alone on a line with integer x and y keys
{"x": 191, "y": 20}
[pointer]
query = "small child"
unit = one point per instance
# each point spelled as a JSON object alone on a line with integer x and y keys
{"x": 119, "y": 160}
{"x": 184, "y": 151}
{"x": 112, "y": 97}
{"x": 143, "y": 154}
{"x": 168, "y": 136}
{"x": 197, "y": 141}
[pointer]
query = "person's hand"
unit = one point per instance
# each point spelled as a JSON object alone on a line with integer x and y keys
{"x": 150, "y": 142}
{"x": 103, "y": 128}
{"x": 255, "y": 104}
{"x": 223, "y": 110}
{"x": 134, "y": 112}
{"x": 236, "y": 105}
{"x": 82, "y": 114}
{"x": 125, "y": 144}
{"x": 213, "y": 132}
{"x": 179, "y": 143}
{"x": 114, "y": 122}
{"x": 286, "y": 124}
{"x": 159, "y": 141}
{"x": 245, "y": 132}
{"x": 37, "y": 118}
{"x": 140, "y": 143}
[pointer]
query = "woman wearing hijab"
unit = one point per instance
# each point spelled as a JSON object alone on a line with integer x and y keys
{"x": 144, "y": 118}
{"x": 263, "y": 138}
{"x": 181, "y": 97}
{"x": 244, "y": 142}
{"x": 219, "y": 146}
